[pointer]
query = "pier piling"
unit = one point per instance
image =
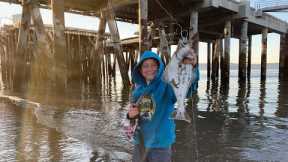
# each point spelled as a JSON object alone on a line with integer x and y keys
{"x": 143, "y": 26}
{"x": 264, "y": 53}
{"x": 117, "y": 46}
{"x": 215, "y": 58}
{"x": 164, "y": 47}
{"x": 208, "y": 60}
{"x": 249, "y": 55}
{"x": 225, "y": 60}
{"x": 243, "y": 50}
{"x": 283, "y": 62}
{"x": 193, "y": 31}
{"x": 59, "y": 43}
{"x": 98, "y": 53}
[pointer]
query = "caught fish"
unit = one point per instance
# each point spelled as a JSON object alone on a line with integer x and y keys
{"x": 180, "y": 76}
{"x": 131, "y": 126}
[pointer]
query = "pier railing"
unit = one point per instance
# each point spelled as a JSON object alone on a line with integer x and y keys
{"x": 271, "y": 5}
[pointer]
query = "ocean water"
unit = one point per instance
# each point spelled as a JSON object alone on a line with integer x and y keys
{"x": 232, "y": 121}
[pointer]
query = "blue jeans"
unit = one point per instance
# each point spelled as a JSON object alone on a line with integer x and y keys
{"x": 152, "y": 154}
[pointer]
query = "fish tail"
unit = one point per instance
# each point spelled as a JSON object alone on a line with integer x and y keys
{"x": 178, "y": 115}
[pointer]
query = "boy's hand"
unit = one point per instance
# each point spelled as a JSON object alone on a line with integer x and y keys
{"x": 190, "y": 60}
{"x": 183, "y": 52}
{"x": 133, "y": 111}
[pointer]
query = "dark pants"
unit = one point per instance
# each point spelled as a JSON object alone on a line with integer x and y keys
{"x": 152, "y": 154}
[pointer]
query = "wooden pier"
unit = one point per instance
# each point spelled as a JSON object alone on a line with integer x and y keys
{"x": 211, "y": 21}
{"x": 80, "y": 45}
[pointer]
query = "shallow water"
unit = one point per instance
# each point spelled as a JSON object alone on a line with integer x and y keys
{"x": 235, "y": 121}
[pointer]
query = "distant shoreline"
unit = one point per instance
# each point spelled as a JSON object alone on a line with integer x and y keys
{"x": 234, "y": 66}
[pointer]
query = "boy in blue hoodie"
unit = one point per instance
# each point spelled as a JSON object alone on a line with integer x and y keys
{"x": 155, "y": 104}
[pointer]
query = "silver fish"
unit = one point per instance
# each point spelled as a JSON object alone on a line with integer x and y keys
{"x": 180, "y": 76}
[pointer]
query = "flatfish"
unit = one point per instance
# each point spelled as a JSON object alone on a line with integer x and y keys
{"x": 180, "y": 77}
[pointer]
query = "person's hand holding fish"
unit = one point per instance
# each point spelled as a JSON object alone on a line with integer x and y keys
{"x": 185, "y": 52}
{"x": 179, "y": 73}
{"x": 133, "y": 111}
{"x": 191, "y": 58}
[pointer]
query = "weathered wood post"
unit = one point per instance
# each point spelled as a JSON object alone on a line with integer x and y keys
{"x": 224, "y": 91}
{"x": 193, "y": 31}
{"x": 283, "y": 62}
{"x": 59, "y": 43}
{"x": 40, "y": 51}
{"x": 1, "y": 69}
{"x": 8, "y": 62}
{"x": 151, "y": 35}
{"x": 249, "y": 55}
{"x": 98, "y": 53}
{"x": 22, "y": 45}
{"x": 41, "y": 72}
{"x": 164, "y": 46}
{"x": 243, "y": 50}
{"x": 43, "y": 42}
{"x": 24, "y": 28}
{"x": 2, "y": 51}
{"x": 264, "y": 53}
{"x": 241, "y": 98}
{"x": 114, "y": 67}
{"x": 208, "y": 60}
{"x": 135, "y": 58}
{"x": 282, "y": 94}
{"x": 59, "y": 28}
{"x": 215, "y": 59}
{"x": 143, "y": 26}
{"x": 118, "y": 48}
{"x": 109, "y": 64}
{"x": 171, "y": 34}
{"x": 132, "y": 59}
{"x": 221, "y": 53}
{"x": 225, "y": 60}
{"x": 262, "y": 97}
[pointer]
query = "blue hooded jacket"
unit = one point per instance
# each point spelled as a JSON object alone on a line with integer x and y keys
{"x": 194, "y": 85}
{"x": 159, "y": 132}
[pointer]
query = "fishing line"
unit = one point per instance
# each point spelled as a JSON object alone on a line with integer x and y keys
{"x": 195, "y": 131}
{"x": 170, "y": 15}
{"x": 167, "y": 12}
{"x": 183, "y": 39}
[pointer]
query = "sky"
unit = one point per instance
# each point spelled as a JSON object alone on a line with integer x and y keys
{"x": 127, "y": 30}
